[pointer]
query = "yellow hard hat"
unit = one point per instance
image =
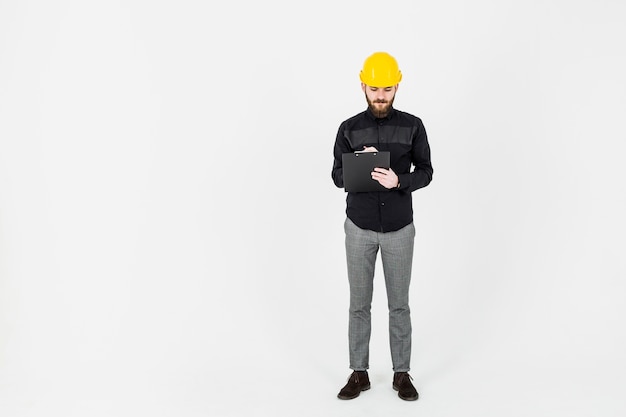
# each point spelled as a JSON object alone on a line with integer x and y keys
{"x": 380, "y": 70}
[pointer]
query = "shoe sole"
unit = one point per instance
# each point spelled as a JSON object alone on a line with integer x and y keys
{"x": 354, "y": 396}
{"x": 405, "y": 398}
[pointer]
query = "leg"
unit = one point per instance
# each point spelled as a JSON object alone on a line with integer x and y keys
{"x": 397, "y": 257}
{"x": 361, "y": 251}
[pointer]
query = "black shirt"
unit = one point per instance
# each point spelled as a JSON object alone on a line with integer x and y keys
{"x": 404, "y": 136}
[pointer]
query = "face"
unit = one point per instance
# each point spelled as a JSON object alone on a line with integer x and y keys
{"x": 379, "y": 99}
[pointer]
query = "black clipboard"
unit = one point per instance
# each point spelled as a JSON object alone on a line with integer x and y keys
{"x": 357, "y": 170}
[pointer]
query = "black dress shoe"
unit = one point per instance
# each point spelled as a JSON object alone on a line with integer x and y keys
{"x": 358, "y": 381}
{"x": 402, "y": 384}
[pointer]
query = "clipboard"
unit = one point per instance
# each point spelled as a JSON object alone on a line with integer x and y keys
{"x": 357, "y": 170}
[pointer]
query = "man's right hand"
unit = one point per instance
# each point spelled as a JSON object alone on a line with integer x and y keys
{"x": 369, "y": 149}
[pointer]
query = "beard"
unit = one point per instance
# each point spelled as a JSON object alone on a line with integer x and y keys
{"x": 378, "y": 110}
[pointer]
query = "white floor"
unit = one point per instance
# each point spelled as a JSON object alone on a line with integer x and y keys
{"x": 478, "y": 389}
{"x": 276, "y": 367}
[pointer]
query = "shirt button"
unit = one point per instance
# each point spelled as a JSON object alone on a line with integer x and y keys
{"x": 382, "y": 204}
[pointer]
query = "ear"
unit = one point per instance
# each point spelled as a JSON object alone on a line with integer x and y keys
{"x": 397, "y": 85}
{"x": 363, "y": 86}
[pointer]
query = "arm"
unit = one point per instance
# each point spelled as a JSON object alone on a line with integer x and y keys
{"x": 420, "y": 155}
{"x": 341, "y": 147}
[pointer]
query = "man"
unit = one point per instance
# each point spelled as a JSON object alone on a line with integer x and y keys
{"x": 382, "y": 220}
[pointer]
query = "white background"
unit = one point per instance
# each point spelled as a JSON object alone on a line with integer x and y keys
{"x": 171, "y": 242}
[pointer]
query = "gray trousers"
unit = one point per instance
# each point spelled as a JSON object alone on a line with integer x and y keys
{"x": 397, "y": 256}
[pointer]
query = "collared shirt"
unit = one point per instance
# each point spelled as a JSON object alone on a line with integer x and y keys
{"x": 404, "y": 136}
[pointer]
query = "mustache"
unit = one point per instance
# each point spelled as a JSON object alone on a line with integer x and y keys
{"x": 380, "y": 101}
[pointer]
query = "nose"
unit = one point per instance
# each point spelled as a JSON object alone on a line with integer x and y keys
{"x": 381, "y": 94}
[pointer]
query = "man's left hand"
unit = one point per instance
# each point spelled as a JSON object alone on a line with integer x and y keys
{"x": 386, "y": 177}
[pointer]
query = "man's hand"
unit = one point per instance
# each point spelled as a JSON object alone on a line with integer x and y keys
{"x": 386, "y": 177}
{"x": 369, "y": 149}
